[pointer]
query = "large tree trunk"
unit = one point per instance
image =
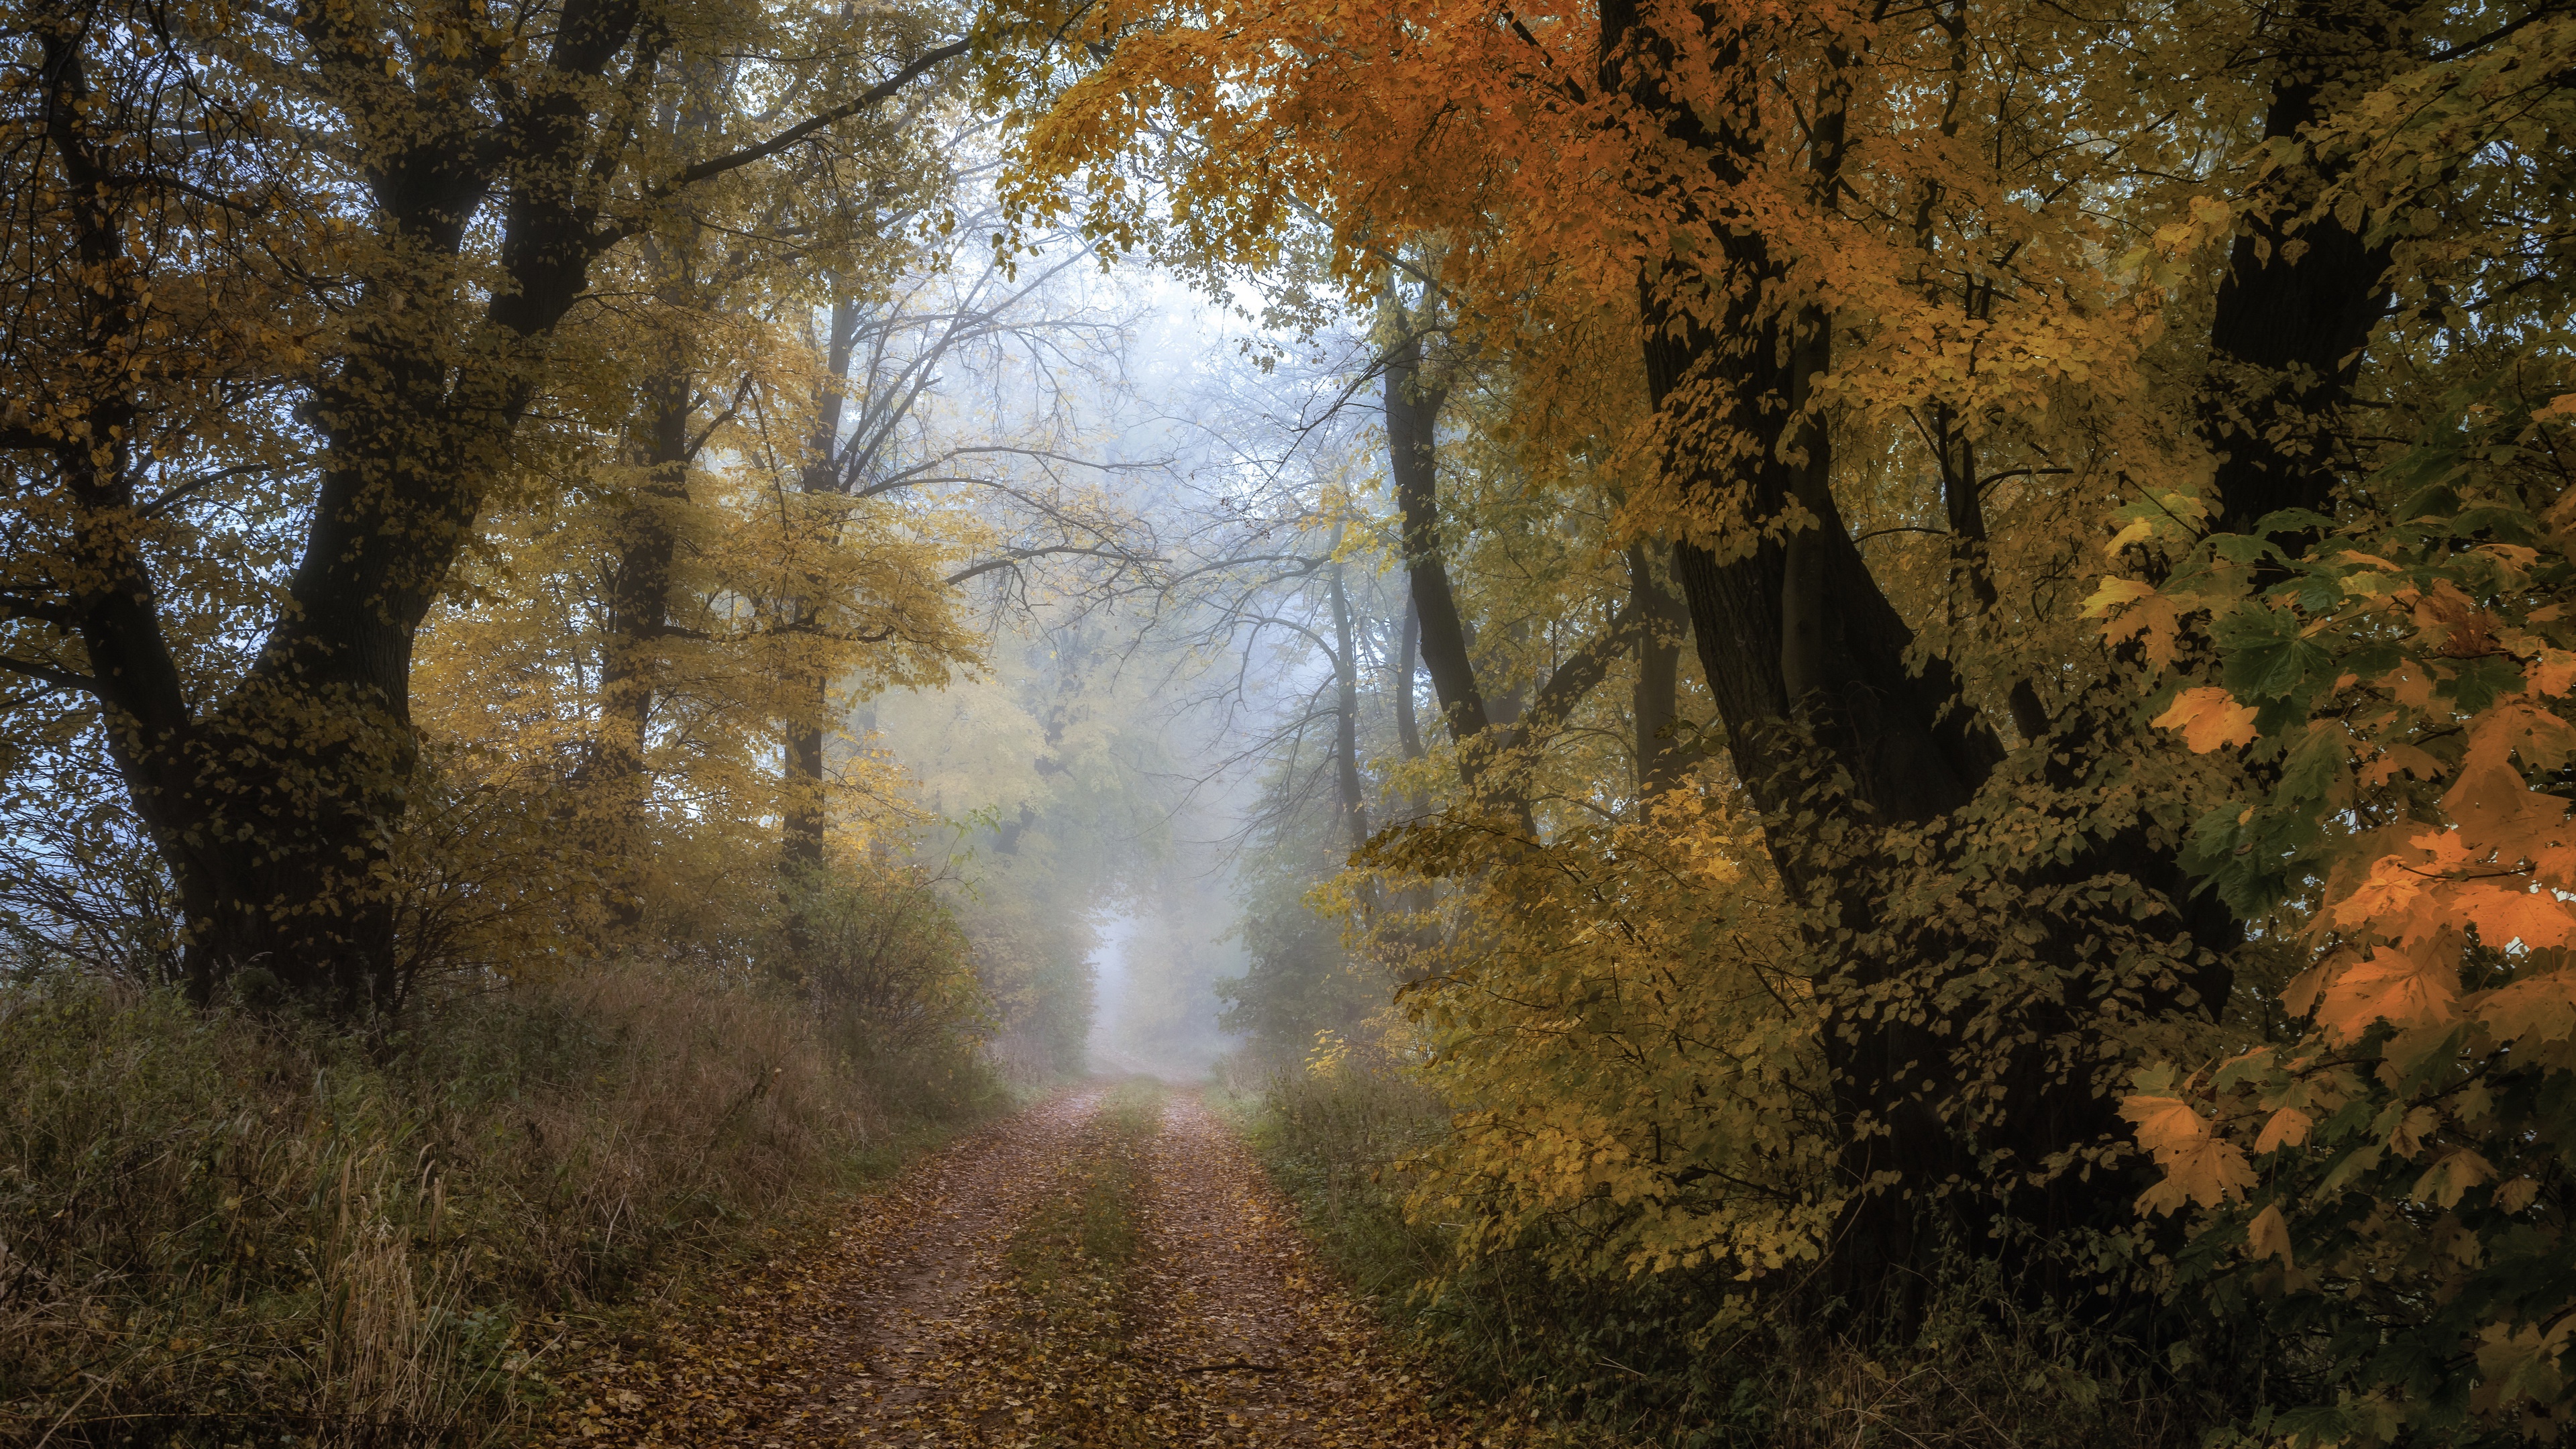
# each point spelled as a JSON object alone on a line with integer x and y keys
{"x": 1842, "y": 745}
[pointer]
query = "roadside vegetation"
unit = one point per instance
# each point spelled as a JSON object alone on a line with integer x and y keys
{"x": 1679, "y": 1359}
{"x": 232, "y": 1228}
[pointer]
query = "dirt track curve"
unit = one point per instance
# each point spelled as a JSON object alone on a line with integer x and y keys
{"x": 909, "y": 1327}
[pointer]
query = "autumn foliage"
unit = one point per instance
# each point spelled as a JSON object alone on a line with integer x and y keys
{"x": 1938, "y": 671}
{"x": 2112, "y": 463}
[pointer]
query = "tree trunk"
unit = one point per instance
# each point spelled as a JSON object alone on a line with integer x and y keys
{"x": 1346, "y": 718}
{"x": 1831, "y": 730}
{"x": 1412, "y": 416}
{"x": 804, "y": 788}
{"x": 1408, "y": 733}
{"x": 637, "y": 631}
{"x": 1653, "y": 702}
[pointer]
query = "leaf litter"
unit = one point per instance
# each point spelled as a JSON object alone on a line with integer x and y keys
{"x": 1110, "y": 1267}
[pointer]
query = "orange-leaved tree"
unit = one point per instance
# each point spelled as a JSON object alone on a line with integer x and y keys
{"x": 1920, "y": 314}
{"x": 2380, "y": 1158}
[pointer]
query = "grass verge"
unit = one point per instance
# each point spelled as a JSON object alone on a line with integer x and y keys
{"x": 1071, "y": 1261}
{"x": 220, "y": 1230}
{"x": 1687, "y": 1360}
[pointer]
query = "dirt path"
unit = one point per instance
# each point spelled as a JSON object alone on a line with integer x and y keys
{"x": 1068, "y": 1277}
{"x": 1255, "y": 1342}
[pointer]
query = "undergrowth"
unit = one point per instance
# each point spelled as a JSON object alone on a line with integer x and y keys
{"x": 216, "y": 1229}
{"x": 1682, "y": 1359}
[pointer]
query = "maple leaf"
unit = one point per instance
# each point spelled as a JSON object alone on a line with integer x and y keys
{"x": 2510, "y": 914}
{"x": 2199, "y": 1166}
{"x": 2402, "y": 987}
{"x": 2443, "y": 1183}
{"x": 2550, "y": 672}
{"x": 2209, "y": 718}
{"x": 2129, "y": 609}
{"x": 2288, "y": 1127}
{"x": 2268, "y": 1236}
{"x": 2519, "y": 1362}
{"x": 2541, "y": 1006}
{"x": 2489, "y": 799}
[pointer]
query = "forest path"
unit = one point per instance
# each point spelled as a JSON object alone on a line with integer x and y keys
{"x": 1109, "y": 1267}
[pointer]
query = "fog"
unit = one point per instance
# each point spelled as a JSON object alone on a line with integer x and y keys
{"x": 1145, "y": 715}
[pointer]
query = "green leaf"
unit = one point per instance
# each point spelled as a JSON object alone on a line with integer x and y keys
{"x": 2316, "y": 764}
{"x": 2265, "y": 659}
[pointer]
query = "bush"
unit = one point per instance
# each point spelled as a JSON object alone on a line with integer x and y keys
{"x": 216, "y": 1228}
{"x": 1682, "y": 1357}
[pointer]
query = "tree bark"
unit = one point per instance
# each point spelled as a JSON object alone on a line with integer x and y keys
{"x": 1346, "y": 718}
{"x": 1412, "y": 415}
{"x": 1663, "y": 625}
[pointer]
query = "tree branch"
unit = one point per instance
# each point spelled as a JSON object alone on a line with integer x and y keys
{"x": 874, "y": 95}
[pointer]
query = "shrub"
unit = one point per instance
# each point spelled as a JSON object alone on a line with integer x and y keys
{"x": 1684, "y": 1357}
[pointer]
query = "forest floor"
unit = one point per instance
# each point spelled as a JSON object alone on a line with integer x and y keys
{"x": 1109, "y": 1267}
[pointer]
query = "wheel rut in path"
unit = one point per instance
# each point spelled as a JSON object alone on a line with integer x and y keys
{"x": 910, "y": 1328}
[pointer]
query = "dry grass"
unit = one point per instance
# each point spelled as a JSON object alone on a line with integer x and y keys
{"x": 217, "y": 1231}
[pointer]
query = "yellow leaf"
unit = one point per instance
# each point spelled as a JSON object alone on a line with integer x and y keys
{"x": 2208, "y": 718}
{"x": 2138, "y": 529}
{"x": 2115, "y": 594}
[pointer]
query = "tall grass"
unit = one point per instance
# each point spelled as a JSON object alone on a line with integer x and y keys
{"x": 1686, "y": 1359}
{"x": 216, "y": 1229}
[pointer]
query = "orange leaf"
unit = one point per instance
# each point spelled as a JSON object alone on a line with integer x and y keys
{"x": 2165, "y": 1124}
{"x": 2393, "y": 758}
{"x": 2268, "y": 1236}
{"x": 2288, "y": 1128}
{"x": 2129, "y": 608}
{"x": 2505, "y": 914}
{"x": 2407, "y": 988}
{"x": 2542, "y": 1007}
{"x": 2551, "y": 672}
{"x": 2444, "y": 1182}
{"x": 2208, "y": 718}
{"x": 2209, "y": 1174}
